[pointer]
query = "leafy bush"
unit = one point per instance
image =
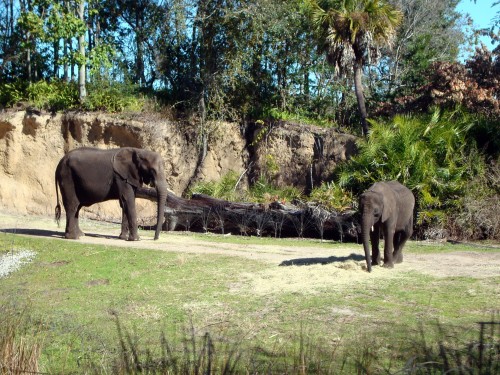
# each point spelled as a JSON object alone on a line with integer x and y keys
{"x": 223, "y": 189}
{"x": 113, "y": 97}
{"x": 261, "y": 192}
{"x": 58, "y": 95}
{"x": 298, "y": 116}
{"x": 12, "y": 93}
{"x": 55, "y": 96}
{"x": 430, "y": 154}
{"x": 479, "y": 215}
{"x": 332, "y": 196}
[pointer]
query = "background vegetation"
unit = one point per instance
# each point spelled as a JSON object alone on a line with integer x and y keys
{"x": 240, "y": 59}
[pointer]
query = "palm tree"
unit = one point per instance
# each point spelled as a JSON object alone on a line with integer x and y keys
{"x": 350, "y": 32}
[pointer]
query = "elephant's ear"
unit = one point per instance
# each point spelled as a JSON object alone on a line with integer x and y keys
{"x": 387, "y": 208}
{"x": 124, "y": 164}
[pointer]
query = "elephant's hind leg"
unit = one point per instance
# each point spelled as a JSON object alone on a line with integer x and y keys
{"x": 399, "y": 241}
{"x": 73, "y": 231}
{"x": 388, "y": 248}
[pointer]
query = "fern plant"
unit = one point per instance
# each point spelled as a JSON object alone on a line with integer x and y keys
{"x": 333, "y": 197}
{"x": 430, "y": 154}
{"x": 225, "y": 188}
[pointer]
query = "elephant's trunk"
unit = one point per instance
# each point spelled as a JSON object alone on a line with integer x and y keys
{"x": 161, "y": 194}
{"x": 366, "y": 225}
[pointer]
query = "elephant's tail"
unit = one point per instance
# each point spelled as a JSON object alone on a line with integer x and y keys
{"x": 58, "y": 205}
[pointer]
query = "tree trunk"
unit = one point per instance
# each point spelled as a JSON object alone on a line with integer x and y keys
{"x": 28, "y": 60}
{"x": 204, "y": 213}
{"x": 56, "y": 58}
{"x": 66, "y": 44}
{"x": 360, "y": 96}
{"x": 81, "y": 48}
{"x": 139, "y": 41}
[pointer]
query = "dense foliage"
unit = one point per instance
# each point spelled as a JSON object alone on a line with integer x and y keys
{"x": 221, "y": 58}
{"x": 437, "y": 157}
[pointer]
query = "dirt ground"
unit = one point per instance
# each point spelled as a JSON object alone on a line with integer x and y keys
{"x": 302, "y": 269}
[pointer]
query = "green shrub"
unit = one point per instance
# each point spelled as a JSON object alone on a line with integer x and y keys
{"x": 55, "y": 96}
{"x": 12, "y": 93}
{"x": 332, "y": 196}
{"x": 263, "y": 191}
{"x": 58, "y": 95}
{"x": 479, "y": 215}
{"x": 226, "y": 188}
{"x": 298, "y": 116}
{"x": 113, "y": 97}
{"x": 49, "y": 95}
{"x": 431, "y": 154}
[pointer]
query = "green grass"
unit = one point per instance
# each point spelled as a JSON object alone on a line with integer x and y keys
{"x": 77, "y": 295}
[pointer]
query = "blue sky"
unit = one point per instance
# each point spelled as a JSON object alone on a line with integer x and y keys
{"x": 481, "y": 13}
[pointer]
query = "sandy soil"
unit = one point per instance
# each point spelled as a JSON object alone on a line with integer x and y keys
{"x": 303, "y": 269}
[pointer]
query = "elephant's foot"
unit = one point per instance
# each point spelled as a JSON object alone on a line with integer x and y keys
{"x": 388, "y": 265}
{"x": 398, "y": 258}
{"x": 73, "y": 235}
{"x": 133, "y": 238}
{"x": 123, "y": 236}
{"x": 376, "y": 260}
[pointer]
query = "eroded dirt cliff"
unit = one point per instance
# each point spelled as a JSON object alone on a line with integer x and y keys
{"x": 31, "y": 145}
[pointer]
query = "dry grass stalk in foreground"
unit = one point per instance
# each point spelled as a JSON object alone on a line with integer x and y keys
{"x": 18, "y": 354}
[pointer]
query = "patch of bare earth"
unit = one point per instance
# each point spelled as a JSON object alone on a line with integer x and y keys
{"x": 299, "y": 269}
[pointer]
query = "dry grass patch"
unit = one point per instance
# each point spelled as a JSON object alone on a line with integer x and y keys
{"x": 19, "y": 350}
{"x": 312, "y": 279}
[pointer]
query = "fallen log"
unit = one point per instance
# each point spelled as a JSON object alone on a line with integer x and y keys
{"x": 203, "y": 213}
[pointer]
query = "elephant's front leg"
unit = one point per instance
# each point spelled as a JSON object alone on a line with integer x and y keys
{"x": 388, "y": 247}
{"x": 375, "y": 240}
{"x": 128, "y": 204}
{"x": 125, "y": 227}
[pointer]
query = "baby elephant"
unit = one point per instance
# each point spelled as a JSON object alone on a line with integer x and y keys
{"x": 387, "y": 206}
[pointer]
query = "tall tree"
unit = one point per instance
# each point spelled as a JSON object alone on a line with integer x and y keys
{"x": 82, "y": 90}
{"x": 430, "y": 31}
{"x": 350, "y": 32}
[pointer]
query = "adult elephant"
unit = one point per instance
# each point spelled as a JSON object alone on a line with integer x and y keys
{"x": 386, "y": 206}
{"x": 89, "y": 175}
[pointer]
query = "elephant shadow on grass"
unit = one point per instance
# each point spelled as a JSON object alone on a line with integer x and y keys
{"x": 48, "y": 233}
{"x": 322, "y": 261}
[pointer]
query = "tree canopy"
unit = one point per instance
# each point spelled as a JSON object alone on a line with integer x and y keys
{"x": 351, "y": 33}
{"x": 240, "y": 59}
